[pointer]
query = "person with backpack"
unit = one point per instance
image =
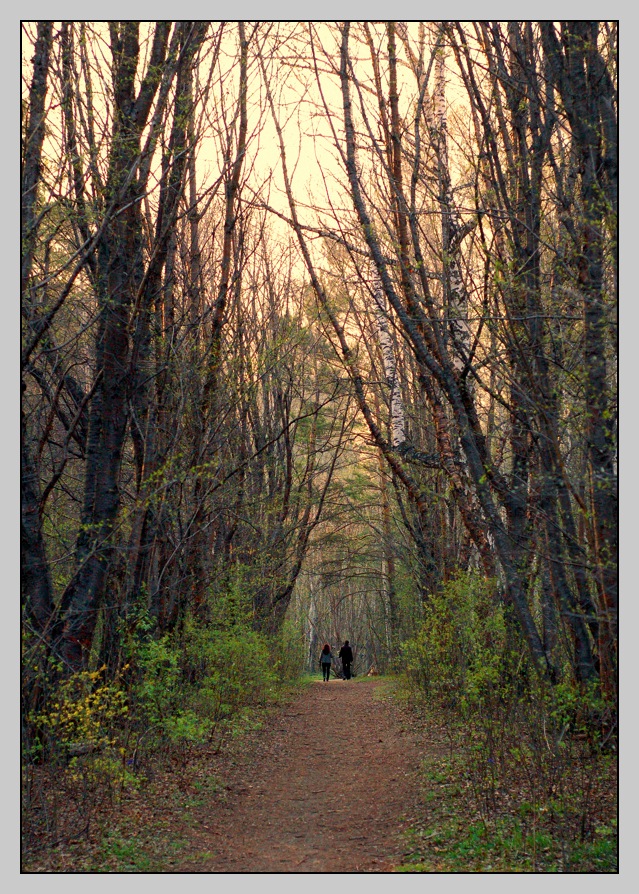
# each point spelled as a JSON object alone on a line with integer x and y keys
{"x": 326, "y": 657}
{"x": 346, "y": 654}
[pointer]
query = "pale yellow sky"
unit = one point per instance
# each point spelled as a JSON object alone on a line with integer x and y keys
{"x": 316, "y": 171}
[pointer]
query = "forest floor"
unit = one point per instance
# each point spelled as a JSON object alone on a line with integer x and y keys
{"x": 327, "y": 787}
{"x": 339, "y": 777}
{"x": 327, "y": 784}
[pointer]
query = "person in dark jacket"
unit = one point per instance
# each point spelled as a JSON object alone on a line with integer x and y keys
{"x": 346, "y": 654}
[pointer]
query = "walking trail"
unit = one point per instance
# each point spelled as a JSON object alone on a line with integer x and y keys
{"x": 328, "y": 786}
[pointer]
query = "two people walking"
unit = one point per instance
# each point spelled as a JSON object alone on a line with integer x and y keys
{"x": 326, "y": 658}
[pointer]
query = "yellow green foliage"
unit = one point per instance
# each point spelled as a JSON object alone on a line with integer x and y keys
{"x": 458, "y": 652}
{"x": 83, "y": 709}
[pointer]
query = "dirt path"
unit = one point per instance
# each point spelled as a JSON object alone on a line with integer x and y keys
{"x": 327, "y": 787}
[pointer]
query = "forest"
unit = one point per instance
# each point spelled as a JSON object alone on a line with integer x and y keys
{"x": 319, "y": 342}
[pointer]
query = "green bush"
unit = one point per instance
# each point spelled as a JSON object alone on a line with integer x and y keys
{"x": 157, "y": 693}
{"x": 234, "y": 668}
{"x": 204, "y": 676}
{"x": 531, "y": 755}
{"x": 457, "y": 654}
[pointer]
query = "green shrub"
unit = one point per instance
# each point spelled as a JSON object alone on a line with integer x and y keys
{"x": 203, "y": 677}
{"x": 234, "y": 668}
{"x": 457, "y": 654}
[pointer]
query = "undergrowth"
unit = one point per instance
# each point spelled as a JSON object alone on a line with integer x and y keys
{"x": 522, "y": 773}
{"x": 92, "y": 745}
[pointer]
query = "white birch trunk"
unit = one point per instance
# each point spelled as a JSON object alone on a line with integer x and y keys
{"x": 397, "y": 420}
{"x": 457, "y": 309}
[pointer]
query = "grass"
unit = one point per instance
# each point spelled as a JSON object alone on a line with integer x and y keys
{"x": 156, "y": 850}
{"x": 456, "y": 832}
{"x": 503, "y": 846}
{"x": 143, "y": 832}
{"x": 121, "y": 854}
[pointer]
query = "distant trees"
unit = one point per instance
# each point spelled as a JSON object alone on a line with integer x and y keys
{"x": 179, "y": 418}
{"x": 497, "y": 257}
{"x": 198, "y": 382}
